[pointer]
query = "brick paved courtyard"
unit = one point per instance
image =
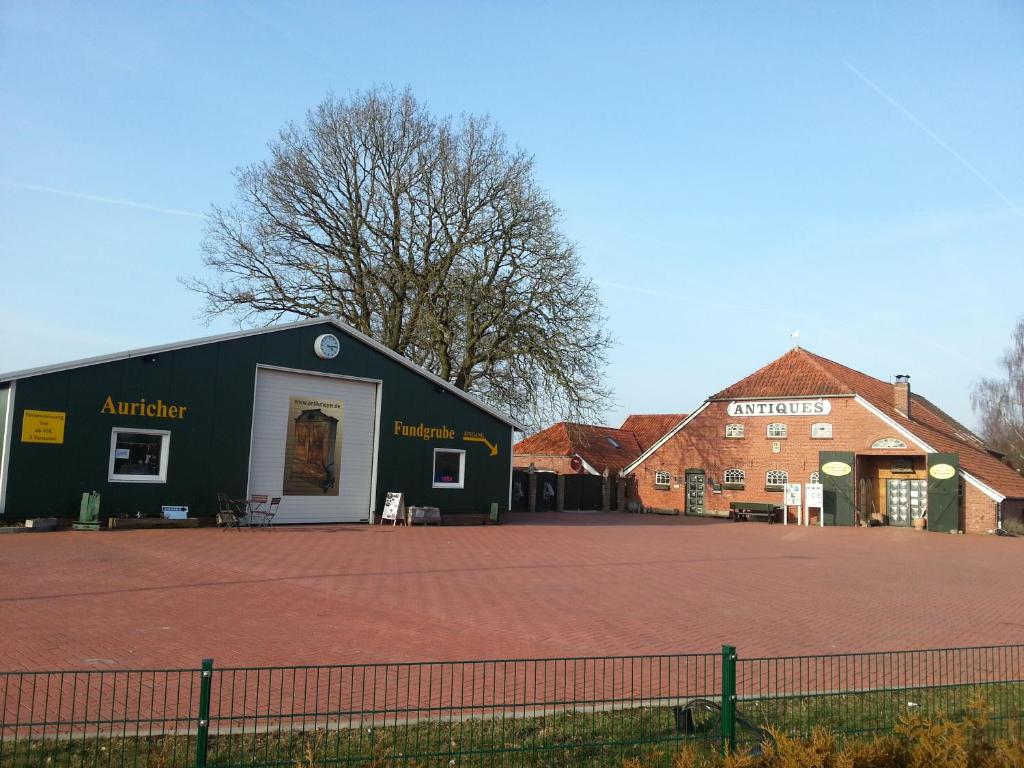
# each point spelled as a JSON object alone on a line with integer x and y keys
{"x": 539, "y": 586}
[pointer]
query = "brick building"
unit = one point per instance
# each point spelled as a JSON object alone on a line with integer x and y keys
{"x": 568, "y": 448}
{"x": 876, "y": 447}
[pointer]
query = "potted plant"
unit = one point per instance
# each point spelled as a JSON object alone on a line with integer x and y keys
{"x": 920, "y": 523}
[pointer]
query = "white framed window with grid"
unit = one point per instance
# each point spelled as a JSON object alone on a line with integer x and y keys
{"x": 734, "y": 477}
{"x": 662, "y": 478}
{"x": 776, "y": 478}
{"x": 734, "y": 431}
{"x": 777, "y": 430}
{"x": 815, "y": 477}
{"x": 821, "y": 430}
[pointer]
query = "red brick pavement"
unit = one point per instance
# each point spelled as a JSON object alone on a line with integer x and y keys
{"x": 540, "y": 586}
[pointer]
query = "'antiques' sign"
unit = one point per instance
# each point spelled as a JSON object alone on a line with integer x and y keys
{"x": 43, "y": 427}
{"x": 780, "y": 408}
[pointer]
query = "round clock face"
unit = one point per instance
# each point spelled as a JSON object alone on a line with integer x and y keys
{"x": 327, "y": 346}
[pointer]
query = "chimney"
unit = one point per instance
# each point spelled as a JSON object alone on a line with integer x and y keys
{"x": 901, "y": 394}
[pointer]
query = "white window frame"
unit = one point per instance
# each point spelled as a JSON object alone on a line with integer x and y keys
{"x": 662, "y": 473}
{"x": 742, "y": 477}
{"x": 768, "y": 475}
{"x": 165, "y": 453}
{"x": 822, "y": 427}
{"x": 815, "y": 478}
{"x": 781, "y": 431}
{"x": 462, "y": 468}
{"x": 735, "y": 431}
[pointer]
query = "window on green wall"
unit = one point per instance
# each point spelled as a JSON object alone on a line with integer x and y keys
{"x": 138, "y": 455}
{"x": 449, "y": 468}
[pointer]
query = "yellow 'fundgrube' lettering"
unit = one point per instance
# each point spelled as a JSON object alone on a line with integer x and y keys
{"x": 424, "y": 432}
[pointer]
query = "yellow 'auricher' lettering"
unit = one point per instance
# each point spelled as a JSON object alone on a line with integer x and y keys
{"x": 157, "y": 410}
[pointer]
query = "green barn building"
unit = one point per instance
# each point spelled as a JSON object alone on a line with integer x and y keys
{"x": 312, "y": 411}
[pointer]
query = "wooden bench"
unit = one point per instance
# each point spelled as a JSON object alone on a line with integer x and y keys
{"x": 747, "y": 510}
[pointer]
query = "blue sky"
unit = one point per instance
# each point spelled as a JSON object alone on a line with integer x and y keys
{"x": 731, "y": 172}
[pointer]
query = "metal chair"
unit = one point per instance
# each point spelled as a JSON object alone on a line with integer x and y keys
{"x": 228, "y": 515}
{"x": 255, "y": 507}
{"x": 264, "y": 518}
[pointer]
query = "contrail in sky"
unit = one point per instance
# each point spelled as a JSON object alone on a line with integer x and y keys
{"x": 101, "y": 199}
{"x": 817, "y": 323}
{"x": 934, "y": 136}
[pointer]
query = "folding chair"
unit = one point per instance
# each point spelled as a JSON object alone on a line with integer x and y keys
{"x": 228, "y": 515}
{"x": 255, "y": 508}
{"x": 264, "y": 518}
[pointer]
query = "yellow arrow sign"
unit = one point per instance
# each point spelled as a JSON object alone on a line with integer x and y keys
{"x": 481, "y": 439}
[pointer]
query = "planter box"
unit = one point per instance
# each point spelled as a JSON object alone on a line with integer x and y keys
{"x": 41, "y": 523}
{"x": 136, "y": 523}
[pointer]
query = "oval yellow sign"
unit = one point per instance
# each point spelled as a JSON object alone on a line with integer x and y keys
{"x": 942, "y": 471}
{"x": 836, "y": 468}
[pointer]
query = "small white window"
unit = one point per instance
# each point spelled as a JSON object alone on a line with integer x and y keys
{"x": 734, "y": 430}
{"x": 734, "y": 476}
{"x": 815, "y": 477}
{"x": 821, "y": 430}
{"x": 776, "y": 478}
{"x": 777, "y": 430}
{"x": 138, "y": 455}
{"x": 663, "y": 478}
{"x": 449, "y": 468}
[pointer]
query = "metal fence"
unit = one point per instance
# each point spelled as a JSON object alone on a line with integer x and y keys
{"x": 525, "y": 712}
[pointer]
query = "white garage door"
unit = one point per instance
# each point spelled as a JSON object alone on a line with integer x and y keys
{"x": 312, "y": 444}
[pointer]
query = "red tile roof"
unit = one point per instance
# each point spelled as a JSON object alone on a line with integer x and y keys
{"x": 588, "y": 441}
{"x": 800, "y": 373}
{"x": 649, "y": 427}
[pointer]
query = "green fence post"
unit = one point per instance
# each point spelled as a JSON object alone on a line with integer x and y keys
{"x": 203, "y": 731}
{"x": 728, "y": 698}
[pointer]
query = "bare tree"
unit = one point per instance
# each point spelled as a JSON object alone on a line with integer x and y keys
{"x": 430, "y": 235}
{"x": 999, "y": 403}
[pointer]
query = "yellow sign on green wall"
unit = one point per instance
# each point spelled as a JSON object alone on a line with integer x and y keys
{"x": 43, "y": 427}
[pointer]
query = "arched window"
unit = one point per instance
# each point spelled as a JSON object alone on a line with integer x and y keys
{"x": 815, "y": 477}
{"x": 734, "y": 477}
{"x": 734, "y": 430}
{"x": 662, "y": 478}
{"x": 777, "y": 430}
{"x": 776, "y": 478}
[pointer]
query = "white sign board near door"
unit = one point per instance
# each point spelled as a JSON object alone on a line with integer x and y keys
{"x": 793, "y": 495}
{"x": 815, "y": 495}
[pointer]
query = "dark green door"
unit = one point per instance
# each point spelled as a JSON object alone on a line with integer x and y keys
{"x": 836, "y": 473}
{"x": 943, "y": 492}
{"x": 695, "y": 491}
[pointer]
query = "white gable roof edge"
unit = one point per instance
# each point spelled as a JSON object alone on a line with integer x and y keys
{"x": 348, "y": 330}
{"x": 986, "y": 489}
{"x": 661, "y": 441}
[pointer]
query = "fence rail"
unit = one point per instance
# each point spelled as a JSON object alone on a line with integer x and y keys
{"x": 519, "y": 712}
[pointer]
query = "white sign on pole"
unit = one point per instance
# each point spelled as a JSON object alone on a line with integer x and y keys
{"x": 793, "y": 494}
{"x": 815, "y": 496}
{"x": 394, "y": 507}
